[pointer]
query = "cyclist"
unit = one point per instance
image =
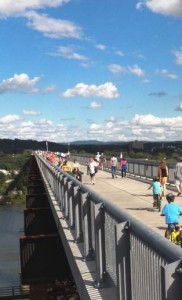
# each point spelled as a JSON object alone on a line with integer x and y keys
{"x": 171, "y": 211}
{"x": 157, "y": 190}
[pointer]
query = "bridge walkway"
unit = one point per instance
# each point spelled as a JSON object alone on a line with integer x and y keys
{"x": 131, "y": 195}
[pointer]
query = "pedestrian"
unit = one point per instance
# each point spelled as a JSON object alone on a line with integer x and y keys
{"x": 178, "y": 176}
{"x": 97, "y": 157}
{"x": 114, "y": 162}
{"x": 171, "y": 211}
{"x": 102, "y": 161}
{"x": 156, "y": 190}
{"x": 75, "y": 167}
{"x": 163, "y": 175}
{"x": 93, "y": 168}
{"x": 123, "y": 164}
{"x": 66, "y": 167}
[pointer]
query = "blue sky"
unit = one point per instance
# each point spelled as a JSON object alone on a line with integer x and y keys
{"x": 91, "y": 70}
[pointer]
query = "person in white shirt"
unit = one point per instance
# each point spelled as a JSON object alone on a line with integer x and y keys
{"x": 93, "y": 167}
{"x": 97, "y": 157}
{"x": 178, "y": 176}
{"x": 114, "y": 162}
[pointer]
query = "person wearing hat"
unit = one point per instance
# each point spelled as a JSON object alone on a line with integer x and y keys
{"x": 171, "y": 211}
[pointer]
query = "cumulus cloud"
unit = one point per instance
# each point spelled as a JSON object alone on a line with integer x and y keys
{"x": 150, "y": 121}
{"x": 164, "y": 7}
{"x": 141, "y": 127}
{"x": 9, "y": 119}
{"x": 14, "y": 8}
{"x": 19, "y": 83}
{"x": 107, "y": 90}
{"x": 69, "y": 53}
{"x": 53, "y": 28}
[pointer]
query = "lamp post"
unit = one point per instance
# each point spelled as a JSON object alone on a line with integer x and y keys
{"x": 47, "y": 146}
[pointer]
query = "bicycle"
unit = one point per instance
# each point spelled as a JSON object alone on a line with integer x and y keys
{"x": 174, "y": 235}
{"x": 157, "y": 202}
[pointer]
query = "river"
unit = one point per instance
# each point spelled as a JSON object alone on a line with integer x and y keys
{"x": 11, "y": 222}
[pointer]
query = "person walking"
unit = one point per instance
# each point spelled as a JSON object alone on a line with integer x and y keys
{"x": 163, "y": 174}
{"x": 178, "y": 176}
{"x": 92, "y": 168}
{"x": 102, "y": 161}
{"x": 114, "y": 162}
{"x": 123, "y": 164}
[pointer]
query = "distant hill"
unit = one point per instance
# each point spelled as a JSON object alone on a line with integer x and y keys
{"x": 89, "y": 146}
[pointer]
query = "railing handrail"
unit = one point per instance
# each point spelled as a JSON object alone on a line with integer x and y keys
{"x": 165, "y": 252}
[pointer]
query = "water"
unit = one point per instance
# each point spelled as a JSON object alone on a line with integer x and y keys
{"x": 11, "y": 222}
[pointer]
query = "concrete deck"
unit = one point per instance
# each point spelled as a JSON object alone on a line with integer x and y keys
{"x": 129, "y": 194}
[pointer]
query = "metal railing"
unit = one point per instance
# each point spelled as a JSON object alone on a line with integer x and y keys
{"x": 136, "y": 167}
{"x": 14, "y": 292}
{"x": 129, "y": 257}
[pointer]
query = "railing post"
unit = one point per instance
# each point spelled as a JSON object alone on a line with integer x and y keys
{"x": 172, "y": 285}
{"x": 123, "y": 269}
{"x": 63, "y": 190}
{"x": 87, "y": 230}
{"x": 100, "y": 254}
{"x": 70, "y": 205}
{"x": 66, "y": 199}
{"x": 78, "y": 215}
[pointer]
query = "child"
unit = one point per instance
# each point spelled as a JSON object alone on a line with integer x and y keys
{"x": 171, "y": 211}
{"x": 157, "y": 190}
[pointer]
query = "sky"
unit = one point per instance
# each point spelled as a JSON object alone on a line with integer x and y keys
{"x": 106, "y": 70}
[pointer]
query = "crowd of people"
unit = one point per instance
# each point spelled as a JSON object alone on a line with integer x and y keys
{"x": 171, "y": 211}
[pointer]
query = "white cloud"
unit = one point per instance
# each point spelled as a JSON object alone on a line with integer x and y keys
{"x": 151, "y": 121}
{"x": 19, "y": 83}
{"x": 49, "y": 89}
{"x": 53, "y": 28}
{"x": 107, "y": 90}
{"x": 94, "y": 105}
{"x": 178, "y": 56}
{"x": 141, "y": 127}
{"x": 136, "y": 70}
{"x": 31, "y": 113}
{"x": 168, "y": 74}
{"x": 69, "y": 53}
{"x": 13, "y": 8}
{"x": 100, "y": 47}
{"x": 116, "y": 69}
{"x": 9, "y": 119}
{"x": 165, "y": 7}
{"x": 119, "y": 53}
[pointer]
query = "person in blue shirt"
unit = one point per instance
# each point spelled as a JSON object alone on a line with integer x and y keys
{"x": 156, "y": 189}
{"x": 171, "y": 211}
